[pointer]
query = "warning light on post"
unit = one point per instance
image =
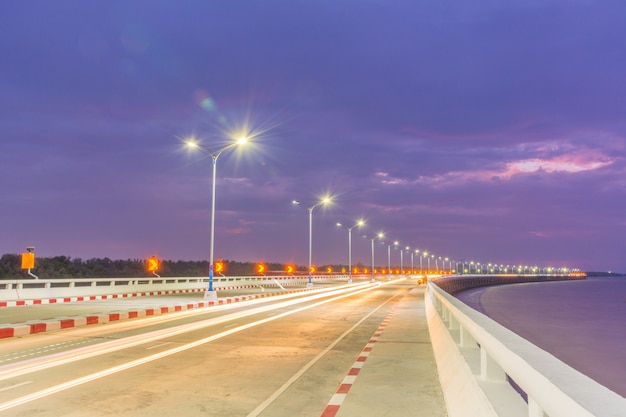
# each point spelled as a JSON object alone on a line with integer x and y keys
{"x": 153, "y": 264}
{"x": 290, "y": 269}
{"x": 219, "y": 267}
{"x": 261, "y": 268}
{"x": 28, "y": 260}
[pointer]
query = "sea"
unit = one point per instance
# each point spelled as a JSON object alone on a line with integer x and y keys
{"x": 581, "y": 322}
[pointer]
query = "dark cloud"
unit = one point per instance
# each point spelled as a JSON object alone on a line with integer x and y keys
{"x": 484, "y": 131}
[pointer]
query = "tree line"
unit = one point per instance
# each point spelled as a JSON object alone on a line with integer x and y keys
{"x": 67, "y": 267}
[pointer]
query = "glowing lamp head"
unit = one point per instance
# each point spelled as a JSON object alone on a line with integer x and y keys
{"x": 242, "y": 140}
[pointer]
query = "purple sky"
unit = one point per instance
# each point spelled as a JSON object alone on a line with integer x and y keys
{"x": 488, "y": 131}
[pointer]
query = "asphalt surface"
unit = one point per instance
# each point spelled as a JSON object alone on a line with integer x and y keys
{"x": 367, "y": 354}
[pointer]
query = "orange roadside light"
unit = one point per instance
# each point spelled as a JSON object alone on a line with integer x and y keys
{"x": 153, "y": 264}
{"x": 219, "y": 267}
{"x": 260, "y": 268}
{"x": 290, "y": 269}
{"x": 313, "y": 269}
{"x": 28, "y": 260}
{"x": 329, "y": 269}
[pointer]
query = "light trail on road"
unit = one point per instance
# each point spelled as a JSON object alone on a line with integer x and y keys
{"x": 111, "y": 346}
{"x": 33, "y": 365}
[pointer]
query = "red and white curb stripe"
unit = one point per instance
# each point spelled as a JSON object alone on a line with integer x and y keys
{"x": 342, "y": 392}
{"x": 41, "y": 326}
{"x": 59, "y": 300}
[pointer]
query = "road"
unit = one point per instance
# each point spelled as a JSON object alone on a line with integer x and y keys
{"x": 279, "y": 356}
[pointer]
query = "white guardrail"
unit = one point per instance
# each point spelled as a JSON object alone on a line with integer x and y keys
{"x": 479, "y": 362}
{"x": 11, "y": 290}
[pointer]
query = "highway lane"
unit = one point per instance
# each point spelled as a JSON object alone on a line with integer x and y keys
{"x": 33, "y": 345}
{"x": 83, "y": 308}
{"x": 279, "y": 358}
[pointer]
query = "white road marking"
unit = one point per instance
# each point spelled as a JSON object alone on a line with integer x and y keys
{"x": 79, "y": 381}
{"x": 15, "y": 386}
{"x": 158, "y": 346}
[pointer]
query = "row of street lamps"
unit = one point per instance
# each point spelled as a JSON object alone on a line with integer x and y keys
{"x": 211, "y": 294}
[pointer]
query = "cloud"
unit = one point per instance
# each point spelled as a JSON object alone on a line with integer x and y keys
{"x": 570, "y": 163}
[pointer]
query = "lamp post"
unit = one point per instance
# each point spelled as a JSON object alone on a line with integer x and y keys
{"x": 421, "y": 266}
{"x": 210, "y": 294}
{"x": 401, "y": 262}
{"x": 324, "y": 200}
{"x": 379, "y": 236}
{"x": 389, "y": 259}
{"x": 358, "y": 223}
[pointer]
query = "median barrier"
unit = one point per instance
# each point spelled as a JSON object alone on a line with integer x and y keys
{"x": 15, "y": 292}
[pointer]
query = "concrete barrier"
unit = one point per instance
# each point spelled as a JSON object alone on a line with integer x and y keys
{"x": 455, "y": 284}
{"x": 51, "y": 289}
{"x": 481, "y": 362}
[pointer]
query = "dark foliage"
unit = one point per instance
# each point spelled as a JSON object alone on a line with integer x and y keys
{"x": 66, "y": 267}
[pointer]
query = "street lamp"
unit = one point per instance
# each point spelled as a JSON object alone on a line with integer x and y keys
{"x": 401, "y": 263}
{"x": 389, "y": 259}
{"x": 380, "y": 235}
{"x": 323, "y": 201}
{"x": 358, "y": 223}
{"x": 408, "y": 250}
{"x": 424, "y": 253}
{"x": 210, "y": 294}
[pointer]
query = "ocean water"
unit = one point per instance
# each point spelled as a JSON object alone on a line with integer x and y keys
{"x": 583, "y": 323}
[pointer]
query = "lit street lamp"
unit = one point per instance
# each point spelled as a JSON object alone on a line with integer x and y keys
{"x": 379, "y": 236}
{"x": 324, "y": 200}
{"x": 359, "y": 223}
{"x": 401, "y": 263}
{"x": 210, "y": 293}
{"x": 389, "y": 259}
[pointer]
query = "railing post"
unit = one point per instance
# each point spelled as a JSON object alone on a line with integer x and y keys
{"x": 466, "y": 339}
{"x": 453, "y": 323}
{"x": 443, "y": 313}
{"x": 534, "y": 410}
{"x": 490, "y": 370}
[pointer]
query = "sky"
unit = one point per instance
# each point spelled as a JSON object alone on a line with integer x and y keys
{"x": 484, "y": 131}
